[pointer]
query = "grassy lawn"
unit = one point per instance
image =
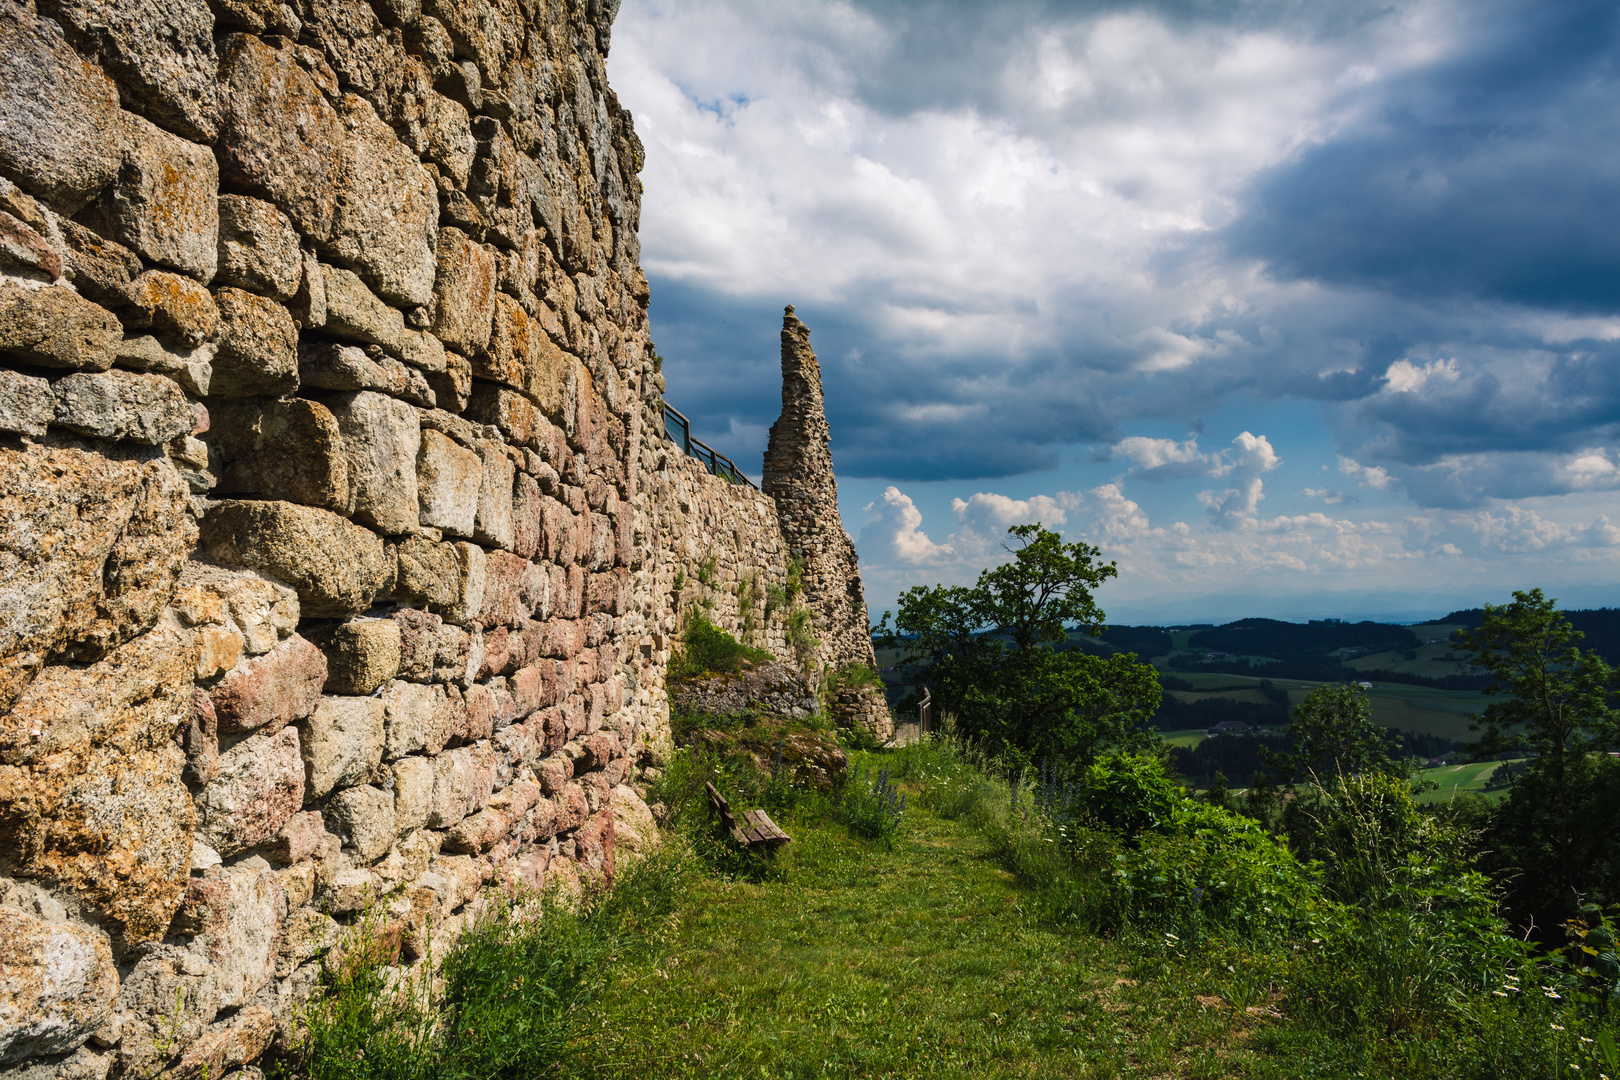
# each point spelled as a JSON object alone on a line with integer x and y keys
{"x": 915, "y": 961}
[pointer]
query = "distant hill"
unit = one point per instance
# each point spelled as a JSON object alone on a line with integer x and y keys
{"x": 1600, "y": 625}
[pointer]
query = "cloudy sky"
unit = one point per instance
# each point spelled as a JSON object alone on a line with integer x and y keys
{"x": 1294, "y": 308}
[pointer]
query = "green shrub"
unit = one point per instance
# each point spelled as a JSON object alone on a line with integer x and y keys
{"x": 1127, "y": 793}
{"x": 708, "y": 650}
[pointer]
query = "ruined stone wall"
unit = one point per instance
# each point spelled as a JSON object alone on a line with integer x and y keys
{"x": 341, "y": 552}
{"x": 799, "y": 478}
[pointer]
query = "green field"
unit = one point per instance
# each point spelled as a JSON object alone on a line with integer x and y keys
{"x": 1456, "y": 779}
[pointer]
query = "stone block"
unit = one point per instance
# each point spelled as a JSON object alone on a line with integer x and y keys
{"x": 258, "y": 248}
{"x": 470, "y": 560}
{"x": 297, "y": 454}
{"x": 162, "y": 50}
{"x": 420, "y": 717}
{"x": 479, "y": 706}
{"x": 365, "y": 817}
{"x": 478, "y": 833}
{"x": 428, "y": 573}
{"x": 298, "y": 882}
{"x": 59, "y": 987}
{"x": 58, "y": 114}
{"x": 423, "y": 352}
{"x": 493, "y": 524}
{"x": 594, "y": 845}
{"x": 449, "y": 138}
{"x": 330, "y": 366}
{"x": 338, "y": 568}
{"x": 23, "y": 249}
{"x": 164, "y": 202}
{"x": 261, "y": 610}
{"x": 297, "y": 167}
{"x": 381, "y": 436}
{"x": 452, "y": 387}
{"x": 272, "y": 691}
{"x": 463, "y": 293}
{"x": 219, "y": 650}
{"x": 460, "y": 879}
{"x": 26, "y": 406}
{"x": 413, "y": 793}
{"x": 353, "y": 311}
{"x": 191, "y": 368}
{"x": 100, "y": 269}
{"x": 172, "y": 306}
{"x": 362, "y": 655}
{"x": 448, "y": 479}
{"x": 525, "y": 516}
{"x": 352, "y": 891}
{"x": 123, "y": 405}
{"x": 503, "y": 591}
{"x": 200, "y": 738}
{"x": 572, "y": 807}
{"x": 342, "y": 744}
{"x": 112, "y": 824}
{"x": 223, "y": 1051}
{"x": 462, "y": 782}
{"x": 236, "y": 914}
{"x": 497, "y": 651}
{"x": 259, "y": 787}
{"x": 386, "y": 217}
{"x": 258, "y": 347}
{"x": 505, "y": 355}
{"x": 299, "y": 838}
{"x": 514, "y": 414}
{"x": 55, "y": 327}
{"x": 554, "y": 773}
{"x": 92, "y": 547}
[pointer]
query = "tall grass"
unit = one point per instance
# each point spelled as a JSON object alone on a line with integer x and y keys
{"x": 506, "y": 1001}
{"x": 1386, "y": 956}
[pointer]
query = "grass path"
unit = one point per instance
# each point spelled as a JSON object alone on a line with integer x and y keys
{"x": 915, "y": 961}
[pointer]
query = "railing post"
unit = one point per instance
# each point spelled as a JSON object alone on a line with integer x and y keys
{"x": 925, "y": 711}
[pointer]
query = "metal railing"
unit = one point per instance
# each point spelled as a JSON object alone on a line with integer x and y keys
{"x": 678, "y": 430}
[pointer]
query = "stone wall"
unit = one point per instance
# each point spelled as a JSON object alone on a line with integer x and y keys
{"x": 341, "y": 553}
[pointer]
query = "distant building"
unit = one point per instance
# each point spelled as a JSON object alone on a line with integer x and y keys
{"x": 1229, "y": 727}
{"x": 1365, "y": 685}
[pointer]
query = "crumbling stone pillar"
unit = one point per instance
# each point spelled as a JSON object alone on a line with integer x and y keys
{"x": 799, "y": 477}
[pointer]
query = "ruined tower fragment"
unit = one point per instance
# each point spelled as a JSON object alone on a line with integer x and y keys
{"x": 798, "y": 475}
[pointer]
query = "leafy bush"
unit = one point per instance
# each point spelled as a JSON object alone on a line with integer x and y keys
{"x": 1128, "y": 793}
{"x": 1209, "y": 869}
{"x": 707, "y": 650}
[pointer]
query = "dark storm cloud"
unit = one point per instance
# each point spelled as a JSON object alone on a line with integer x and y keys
{"x": 1495, "y": 174}
{"x": 1448, "y": 209}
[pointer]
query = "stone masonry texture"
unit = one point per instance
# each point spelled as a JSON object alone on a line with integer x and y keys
{"x": 342, "y": 551}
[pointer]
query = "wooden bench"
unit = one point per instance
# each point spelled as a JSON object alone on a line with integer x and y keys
{"x": 757, "y": 830}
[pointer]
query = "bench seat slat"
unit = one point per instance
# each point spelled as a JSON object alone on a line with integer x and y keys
{"x": 755, "y": 830}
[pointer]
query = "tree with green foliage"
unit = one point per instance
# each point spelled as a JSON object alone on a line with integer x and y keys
{"x": 1558, "y": 707}
{"x": 987, "y": 654}
{"x": 1334, "y": 736}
